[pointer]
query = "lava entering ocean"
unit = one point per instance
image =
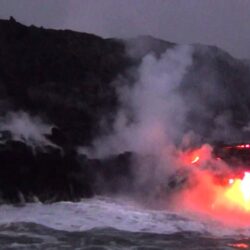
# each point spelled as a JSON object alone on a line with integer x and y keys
{"x": 239, "y": 191}
{"x": 216, "y": 188}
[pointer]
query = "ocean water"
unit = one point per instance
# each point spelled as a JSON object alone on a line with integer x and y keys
{"x": 113, "y": 223}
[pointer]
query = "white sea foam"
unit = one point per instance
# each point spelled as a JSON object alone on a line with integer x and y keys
{"x": 124, "y": 215}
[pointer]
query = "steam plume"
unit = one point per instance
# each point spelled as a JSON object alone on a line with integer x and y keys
{"x": 27, "y": 129}
{"x": 152, "y": 112}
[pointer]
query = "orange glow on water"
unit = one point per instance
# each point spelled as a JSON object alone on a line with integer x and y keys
{"x": 239, "y": 245}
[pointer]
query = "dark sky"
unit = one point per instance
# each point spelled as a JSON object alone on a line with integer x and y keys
{"x": 225, "y": 23}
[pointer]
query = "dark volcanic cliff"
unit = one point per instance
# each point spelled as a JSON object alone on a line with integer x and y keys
{"x": 65, "y": 76}
{"x": 66, "y": 79}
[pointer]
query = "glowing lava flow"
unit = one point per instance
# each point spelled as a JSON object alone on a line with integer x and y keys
{"x": 239, "y": 245}
{"x": 215, "y": 188}
{"x": 239, "y": 192}
{"x": 196, "y": 159}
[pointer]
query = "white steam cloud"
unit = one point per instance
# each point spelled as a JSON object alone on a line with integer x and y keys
{"x": 152, "y": 112}
{"x": 154, "y": 121}
{"x": 27, "y": 129}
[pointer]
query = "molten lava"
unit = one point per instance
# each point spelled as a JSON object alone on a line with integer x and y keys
{"x": 239, "y": 245}
{"x": 215, "y": 188}
{"x": 196, "y": 159}
{"x": 199, "y": 155}
{"x": 238, "y": 192}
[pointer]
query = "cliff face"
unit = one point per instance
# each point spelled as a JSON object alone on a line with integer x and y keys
{"x": 55, "y": 73}
{"x": 63, "y": 82}
{"x": 64, "y": 79}
{"x": 218, "y": 87}
{"x": 67, "y": 78}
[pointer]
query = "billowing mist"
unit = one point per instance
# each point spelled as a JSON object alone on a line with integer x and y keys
{"x": 173, "y": 106}
{"x": 152, "y": 113}
{"x": 25, "y": 128}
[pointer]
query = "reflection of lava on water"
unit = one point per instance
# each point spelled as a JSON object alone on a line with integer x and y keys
{"x": 221, "y": 190}
{"x": 239, "y": 245}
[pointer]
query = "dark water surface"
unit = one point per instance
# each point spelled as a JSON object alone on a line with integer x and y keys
{"x": 35, "y": 236}
{"x": 112, "y": 223}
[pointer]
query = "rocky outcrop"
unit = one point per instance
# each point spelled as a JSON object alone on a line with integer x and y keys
{"x": 54, "y": 173}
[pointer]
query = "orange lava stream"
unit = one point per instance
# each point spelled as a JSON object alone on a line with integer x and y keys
{"x": 223, "y": 197}
{"x": 238, "y": 192}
